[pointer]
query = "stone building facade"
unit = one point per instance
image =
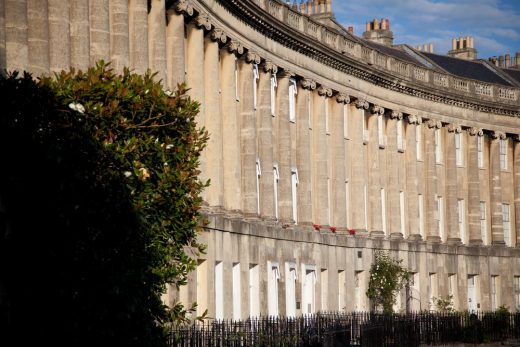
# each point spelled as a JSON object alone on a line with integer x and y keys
{"x": 323, "y": 147}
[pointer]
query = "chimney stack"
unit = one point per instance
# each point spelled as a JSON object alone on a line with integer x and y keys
{"x": 350, "y": 30}
{"x": 427, "y": 47}
{"x": 379, "y": 31}
{"x": 462, "y": 48}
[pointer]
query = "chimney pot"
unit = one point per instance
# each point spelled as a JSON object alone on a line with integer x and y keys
{"x": 350, "y": 30}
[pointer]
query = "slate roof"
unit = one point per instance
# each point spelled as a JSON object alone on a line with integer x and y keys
{"x": 395, "y": 52}
{"x": 515, "y": 74}
{"x": 468, "y": 69}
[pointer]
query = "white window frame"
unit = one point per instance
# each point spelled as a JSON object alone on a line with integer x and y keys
{"x": 308, "y": 272}
{"x": 461, "y": 216}
{"x": 273, "y": 277}
{"x": 293, "y": 91}
{"x": 483, "y": 222}
{"x": 503, "y": 154}
{"x": 291, "y": 277}
{"x": 294, "y": 193}
{"x": 342, "y": 291}
{"x": 506, "y": 223}
{"x": 274, "y": 86}
{"x": 480, "y": 151}
{"x": 401, "y": 143}
{"x": 258, "y": 175}
{"x": 237, "y": 292}
{"x": 219, "y": 290}
{"x": 276, "y": 179}
{"x": 459, "y": 149}
{"x": 254, "y": 290}
{"x": 493, "y": 292}
{"x": 256, "y": 77}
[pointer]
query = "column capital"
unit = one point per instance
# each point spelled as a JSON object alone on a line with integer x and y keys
{"x": 396, "y": 115}
{"x": 252, "y": 58}
{"x": 475, "y": 131}
{"x": 323, "y": 91}
{"x": 362, "y": 104}
{"x": 375, "y": 109}
{"x": 218, "y": 35}
{"x": 454, "y": 128}
{"x": 307, "y": 83}
{"x": 270, "y": 67}
{"x": 202, "y": 22}
{"x": 414, "y": 119}
{"x": 236, "y": 47}
{"x": 342, "y": 98}
{"x": 432, "y": 123}
{"x": 184, "y": 6}
{"x": 498, "y": 135}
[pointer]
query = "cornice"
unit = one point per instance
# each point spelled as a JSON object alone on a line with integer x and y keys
{"x": 262, "y": 21}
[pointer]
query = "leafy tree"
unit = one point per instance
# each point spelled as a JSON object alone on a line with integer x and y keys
{"x": 444, "y": 304}
{"x": 101, "y": 192}
{"x": 387, "y": 278}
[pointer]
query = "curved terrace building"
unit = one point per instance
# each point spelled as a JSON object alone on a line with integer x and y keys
{"x": 324, "y": 147}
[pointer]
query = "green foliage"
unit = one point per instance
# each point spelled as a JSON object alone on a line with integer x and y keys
{"x": 387, "y": 278}
{"x": 102, "y": 197}
{"x": 444, "y": 304}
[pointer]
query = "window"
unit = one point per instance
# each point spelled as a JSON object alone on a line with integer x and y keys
{"x": 480, "y": 144}
{"x": 341, "y": 291}
{"x": 503, "y": 154}
{"x": 461, "y": 220}
{"x": 383, "y": 210}
{"x": 294, "y": 192}
{"x": 400, "y": 138}
{"x": 506, "y": 222}
{"x": 293, "y": 90}
{"x": 381, "y": 137}
{"x": 254, "y": 290}
{"x": 274, "y": 85}
{"x": 438, "y": 146}
{"x": 359, "y": 291}
{"x": 459, "y": 155}
{"x": 290, "y": 289}
{"x": 237, "y": 300}
{"x": 256, "y": 77}
{"x": 421, "y": 214}
{"x": 324, "y": 279}
{"x": 237, "y": 94}
{"x": 452, "y": 288}
{"x": 273, "y": 276}
{"x": 258, "y": 174}
{"x": 202, "y": 287}
{"x": 402, "y": 212}
{"x": 308, "y": 289}
{"x": 276, "y": 179}
{"x": 418, "y": 142}
{"x": 219, "y": 290}
{"x": 345, "y": 121}
{"x": 440, "y": 216}
{"x": 432, "y": 290}
{"x": 516, "y": 290}
{"x": 472, "y": 293}
{"x": 483, "y": 222}
{"x": 494, "y": 296}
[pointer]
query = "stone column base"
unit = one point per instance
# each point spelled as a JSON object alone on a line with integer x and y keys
{"x": 455, "y": 241}
{"x": 433, "y": 239}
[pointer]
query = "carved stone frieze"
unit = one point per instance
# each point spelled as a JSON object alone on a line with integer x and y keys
{"x": 307, "y": 83}
{"x": 396, "y": 115}
{"x": 362, "y": 104}
{"x": 323, "y": 91}
{"x": 252, "y": 58}
{"x": 375, "y": 109}
{"x": 498, "y": 135}
{"x": 270, "y": 67}
{"x": 414, "y": 119}
{"x": 184, "y": 6}
{"x": 432, "y": 123}
{"x": 454, "y": 128}
{"x": 475, "y": 131}
{"x": 202, "y": 21}
{"x": 343, "y": 98}
{"x": 236, "y": 47}
{"x": 219, "y": 36}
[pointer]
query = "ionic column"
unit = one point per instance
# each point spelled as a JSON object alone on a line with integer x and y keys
{"x": 265, "y": 142}
{"x": 432, "y": 212}
{"x": 475, "y": 235}
{"x": 157, "y": 39}
{"x": 99, "y": 31}
{"x": 359, "y": 179}
{"x": 119, "y": 41}
{"x": 230, "y": 126}
{"x": 393, "y": 205}
{"x": 16, "y": 45}
{"x": 303, "y": 151}
{"x": 453, "y": 236}
{"x": 320, "y": 165}
{"x": 339, "y": 202}
{"x": 412, "y": 192}
{"x": 38, "y": 36}
{"x": 175, "y": 48}
{"x": 284, "y": 148}
{"x": 497, "y": 229}
{"x": 375, "y": 217}
{"x": 138, "y": 30}
{"x": 248, "y": 148}
{"x": 195, "y": 81}
{"x": 79, "y": 35}
{"x": 212, "y": 154}
{"x": 516, "y": 180}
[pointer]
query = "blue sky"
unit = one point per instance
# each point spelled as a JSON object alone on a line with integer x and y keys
{"x": 494, "y": 24}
